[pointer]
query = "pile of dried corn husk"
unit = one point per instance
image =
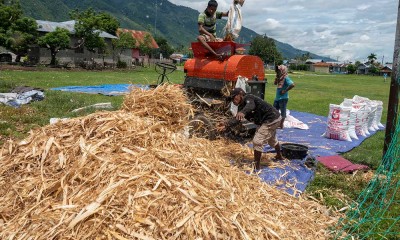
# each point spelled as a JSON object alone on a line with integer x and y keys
{"x": 166, "y": 104}
{"x": 127, "y": 175}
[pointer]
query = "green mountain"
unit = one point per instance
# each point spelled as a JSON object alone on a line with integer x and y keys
{"x": 177, "y": 24}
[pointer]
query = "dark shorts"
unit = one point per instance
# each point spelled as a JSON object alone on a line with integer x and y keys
{"x": 281, "y": 106}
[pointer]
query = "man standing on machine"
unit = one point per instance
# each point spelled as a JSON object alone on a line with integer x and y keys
{"x": 207, "y": 26}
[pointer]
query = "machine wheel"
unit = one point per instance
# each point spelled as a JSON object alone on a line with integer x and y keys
{"x": 200, "y": 126}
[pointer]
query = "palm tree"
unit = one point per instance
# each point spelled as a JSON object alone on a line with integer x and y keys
{"x": 372, "y": 58}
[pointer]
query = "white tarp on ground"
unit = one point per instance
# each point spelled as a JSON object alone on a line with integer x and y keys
{"x": 18, "y": 99}
{"x": 292, "y": 122}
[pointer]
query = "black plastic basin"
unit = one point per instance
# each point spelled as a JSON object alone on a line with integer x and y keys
{"x": 294, "y": 151}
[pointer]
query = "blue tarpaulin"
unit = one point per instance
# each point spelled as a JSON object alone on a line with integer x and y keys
{"x": 318, "y": 145}
{"x": 106, "y": 89}
{"x": 294, "y": 176}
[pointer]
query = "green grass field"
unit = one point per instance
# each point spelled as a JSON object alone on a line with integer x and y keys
{"x": 313, "y": 94}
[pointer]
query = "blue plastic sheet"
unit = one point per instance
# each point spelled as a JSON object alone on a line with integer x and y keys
{"x": 292, "y": 177}
{"x": 295, "y": 176}
{"x": 106, "y": 89}
{"x": 318, "y": 145}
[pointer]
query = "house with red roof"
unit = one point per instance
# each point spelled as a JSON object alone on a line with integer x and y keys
{"x": 141, "y": 37}
{"x": 80, "y": 56}
{"x": 386, "y": 70}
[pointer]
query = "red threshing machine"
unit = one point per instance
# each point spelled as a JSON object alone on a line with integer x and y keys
{"x": 209, "y": 80}
{"x": 205, "y": 73}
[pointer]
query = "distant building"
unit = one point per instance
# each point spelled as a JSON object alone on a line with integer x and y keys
{"x": 339, "y": 68}
{"x": 321, "y": 67}
{"x": 136, "y": 56}
{"x": 363, "y": 68}
{"x": 74, "y": 56}
{"x": 7, "y": 57}
{"x": 386, "y": 69}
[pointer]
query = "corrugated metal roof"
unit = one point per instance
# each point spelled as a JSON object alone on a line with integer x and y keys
{"x": 47, "y": 26}
{"x": 313, "y": 60}
{"x": 139, "y": 36}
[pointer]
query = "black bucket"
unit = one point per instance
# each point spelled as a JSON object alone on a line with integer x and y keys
{"x": 294, "y": 151}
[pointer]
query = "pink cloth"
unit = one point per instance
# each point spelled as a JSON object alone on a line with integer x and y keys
{"x": 337, "y": 163}
{"x": 281, "y": 75}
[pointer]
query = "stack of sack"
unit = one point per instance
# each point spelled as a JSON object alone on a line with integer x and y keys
{"x": 353, "y": 117}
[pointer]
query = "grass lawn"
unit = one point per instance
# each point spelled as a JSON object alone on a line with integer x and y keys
{"x": 313, "y": 94}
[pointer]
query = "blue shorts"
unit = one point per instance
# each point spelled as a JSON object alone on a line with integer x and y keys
{"x": 281, "y": 105}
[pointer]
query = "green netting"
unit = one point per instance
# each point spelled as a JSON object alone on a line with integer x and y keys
{"x": 376, "y": 213}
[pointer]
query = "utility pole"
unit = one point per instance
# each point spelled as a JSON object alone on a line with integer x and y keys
{"x": 155, "y": 20}
{"x": 394, "y": 90}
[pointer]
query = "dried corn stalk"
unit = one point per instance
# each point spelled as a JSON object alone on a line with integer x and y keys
{"x": 166, "y": 103}
{"x": 129, "y": 175}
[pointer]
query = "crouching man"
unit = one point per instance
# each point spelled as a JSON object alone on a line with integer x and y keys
{"x": 255, "y": 109}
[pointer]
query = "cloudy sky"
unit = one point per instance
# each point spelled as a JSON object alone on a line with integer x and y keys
{"x": 345, "y": 30}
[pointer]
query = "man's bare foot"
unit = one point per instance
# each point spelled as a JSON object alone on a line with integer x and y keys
{"x": 220, "y": 57}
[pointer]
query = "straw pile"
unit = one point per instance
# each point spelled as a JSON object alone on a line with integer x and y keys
{"x": 166, "y": 104}
{"x": 128, "y": 175}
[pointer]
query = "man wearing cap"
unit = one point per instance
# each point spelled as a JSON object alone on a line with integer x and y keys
{"x": 207, "y": 25}
{"x": 255, "y": 109}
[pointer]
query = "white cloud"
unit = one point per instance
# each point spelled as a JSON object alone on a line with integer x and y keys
{"x": 344, "y": 31}
{"x": 364, "y": 38}
{"x": 271, "y": 24}
{"x": 297, "y": 8}
{"x": 363, "y": 7}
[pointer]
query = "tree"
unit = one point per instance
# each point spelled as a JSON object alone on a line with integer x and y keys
{"x": 372, "y": 58}
{"x": 108, "y": 23}
{"x": 88, "y": 25}
{"x": 164, "y": 48}
{"x": 351, "y": 68}
{"x": 373, "y": 69}
{"x": 17, "y": 32}
{"x": 265, "y": 48}
{"x": 55, "y": 41}
{"x": 23, "y": 34}
{"x": 145, "y": 47}
{"x": 125, "y": 41}
{"x": 8, "y": 14}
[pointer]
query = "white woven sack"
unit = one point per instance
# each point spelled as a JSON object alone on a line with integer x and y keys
{"x": 372, "y": 126}
{"x": 362, "y": 115}
{"x": 338, "y": 123}
{"x": 365, "y": 113}
{"x": 240, "y": 83}
{"x": 378, "y": 114}
{"x": 234, "y": 23}
{"x": 352, "y": 118}
{"x": 360, "y": 99}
